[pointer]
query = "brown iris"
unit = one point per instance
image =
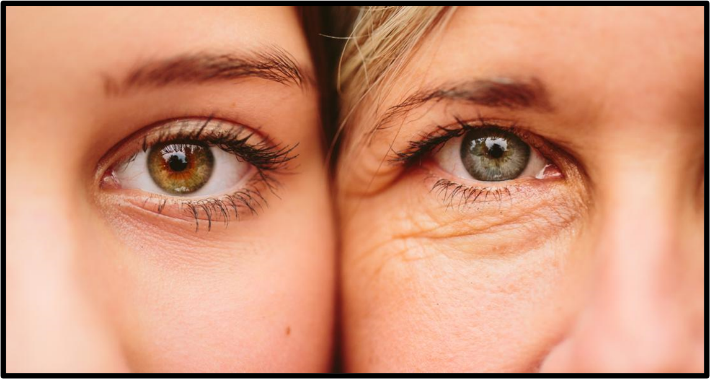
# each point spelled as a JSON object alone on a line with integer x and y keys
{"x": 180, "y": 167}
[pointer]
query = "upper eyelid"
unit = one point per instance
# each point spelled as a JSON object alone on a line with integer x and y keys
{"x": 426, "y": 142}
{"x": 553, "y": 150}
{"x": 113, "y": 155}
{"x": 161, "y": 131}
{"x": 185, "y": 132}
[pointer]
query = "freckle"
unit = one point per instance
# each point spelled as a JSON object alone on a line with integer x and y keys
{"x": 288, "y": 330}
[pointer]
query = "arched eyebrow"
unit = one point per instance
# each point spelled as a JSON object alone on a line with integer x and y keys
{"x": 272, "y": 63}
{"x": 490, "y": 92}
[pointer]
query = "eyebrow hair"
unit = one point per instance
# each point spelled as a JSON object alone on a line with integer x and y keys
{"x": 494, "y": 92}
{"x": 271, "y": 63}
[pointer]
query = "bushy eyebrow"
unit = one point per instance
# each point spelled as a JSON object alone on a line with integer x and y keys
{"x": 271, "y": 63}
{"x": 493, "y": 92}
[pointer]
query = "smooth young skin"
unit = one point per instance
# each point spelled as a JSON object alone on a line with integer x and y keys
{"x": 104, "y": 286}
{"x": 601, "y": 271}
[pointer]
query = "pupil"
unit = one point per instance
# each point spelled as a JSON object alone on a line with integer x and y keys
{"x": 177, "y": 162}
{"x": 496, "y": 151}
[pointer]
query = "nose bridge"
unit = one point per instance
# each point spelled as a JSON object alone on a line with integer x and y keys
{"x": 638, "y": 240}
{"x": 633, "y": 319}
{"x": 640, "y": 213}
{"x": 635, "y": 281}
{"x": 52, "y": 325}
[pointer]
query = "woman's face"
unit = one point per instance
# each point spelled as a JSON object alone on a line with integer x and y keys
{"x": 529, "y": 195}
{"x": 167, "y": 197}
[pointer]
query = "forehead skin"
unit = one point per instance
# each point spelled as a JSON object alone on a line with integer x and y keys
{"x": 73, "y": 69}
{"x": 584, "y": 51}
{"x": 123, "y": 35}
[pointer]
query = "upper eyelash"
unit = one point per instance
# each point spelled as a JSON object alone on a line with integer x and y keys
{"x": 267, "y": 158}
{"x": 262, "y": 155}
{"x": 429, "y": 142}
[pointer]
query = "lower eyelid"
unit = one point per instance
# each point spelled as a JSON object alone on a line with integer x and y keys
{"x": 454, "y": 193}
{"x": 201, "y": 213}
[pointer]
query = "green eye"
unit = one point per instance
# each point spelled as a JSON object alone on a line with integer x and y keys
{"x": 180, "y": 168}
{"x": 492, "y": 154}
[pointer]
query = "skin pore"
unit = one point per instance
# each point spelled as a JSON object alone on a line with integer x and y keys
{"x": 106, "y": 276}
{"x": 596, "y": 265}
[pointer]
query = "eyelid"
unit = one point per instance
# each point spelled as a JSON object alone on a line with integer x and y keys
{"x": 212, "y": 131}
{"x": 433, "y": 141}
{"x": 249, "y": 146}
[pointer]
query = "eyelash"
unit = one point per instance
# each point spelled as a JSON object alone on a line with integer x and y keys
{"x": 269, "y": 160}
{"x": 452, "y": 193}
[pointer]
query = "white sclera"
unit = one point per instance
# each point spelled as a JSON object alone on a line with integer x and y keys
{"x": 227, "y": 173}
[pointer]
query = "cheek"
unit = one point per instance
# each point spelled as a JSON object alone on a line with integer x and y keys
{"x": 229, "y": 321}
{"x": 439, "y": 313}
{"x": 427, "y": 291}
{"x": 249, "y": 297}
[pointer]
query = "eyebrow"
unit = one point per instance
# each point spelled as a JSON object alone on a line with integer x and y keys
{"x": 271, "y": 63}
{"x": 498, "y": 92}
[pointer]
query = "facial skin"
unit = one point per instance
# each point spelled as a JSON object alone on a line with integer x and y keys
{"x": 100, "y": 280}
{"x": 600, "y": 270}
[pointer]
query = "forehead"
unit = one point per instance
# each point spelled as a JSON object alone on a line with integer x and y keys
{"x": 85, "y": 42}
{"x": 588, "y": 36}
{"x": 601, "y": 54}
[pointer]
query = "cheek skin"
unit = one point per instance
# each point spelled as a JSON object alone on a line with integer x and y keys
{"x": 228, "y": 299}
{"x": 515, "y": 218}
{"x": 427, "y": 286}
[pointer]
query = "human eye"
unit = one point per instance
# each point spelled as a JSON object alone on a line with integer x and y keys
{"x": 207, "y": 169}
{"x": 483, "y": 159}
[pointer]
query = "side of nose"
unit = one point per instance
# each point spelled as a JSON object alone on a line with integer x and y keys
{"x": 638, "y": 316}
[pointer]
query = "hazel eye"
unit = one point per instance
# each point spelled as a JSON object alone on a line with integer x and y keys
{"x": 182, "y": 168}
{"x": 490, "y": 154}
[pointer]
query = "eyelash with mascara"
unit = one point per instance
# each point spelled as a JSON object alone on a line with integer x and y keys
{"x": 453, "y": 193}
{"x": 266, "y": 158}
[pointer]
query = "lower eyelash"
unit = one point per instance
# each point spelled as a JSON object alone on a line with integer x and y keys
{"x": 458, "y": 195}
{"x": 245, "y": 198}
{"x": 223, "y": 208}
